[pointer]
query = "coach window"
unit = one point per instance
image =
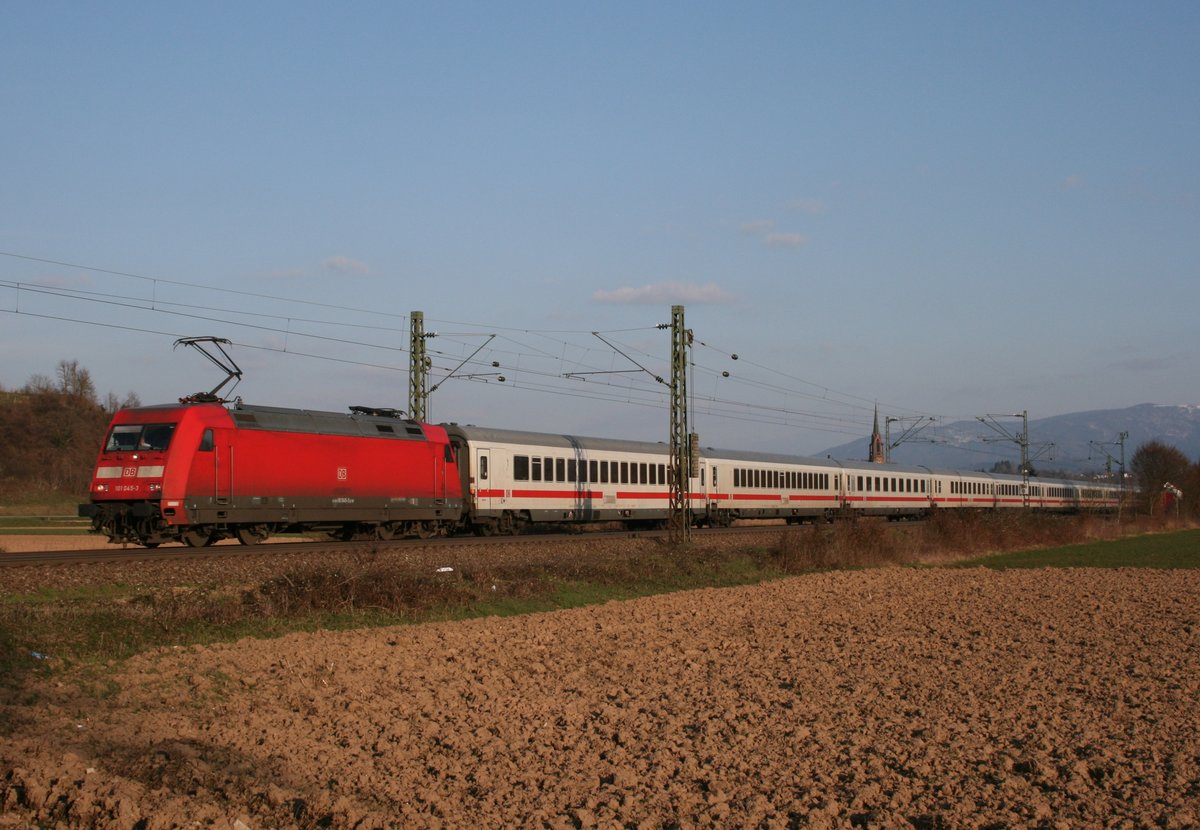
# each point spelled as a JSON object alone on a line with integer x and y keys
{"x": 521, "y": 468}
{"x": 624, "y": 472}
{"x": 560, "y": 469}
{"x": 572, "y": 475}
{"x": 483, "y": 470}
{"x": 535, "y": 469}
{"x": 206, "y": 442}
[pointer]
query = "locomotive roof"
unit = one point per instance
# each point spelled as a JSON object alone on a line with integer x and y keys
{"x": 280, "y": 419}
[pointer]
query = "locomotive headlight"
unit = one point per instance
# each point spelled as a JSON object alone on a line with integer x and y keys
{"x": 156, "y": 487}
{"x": 101, "y": 488}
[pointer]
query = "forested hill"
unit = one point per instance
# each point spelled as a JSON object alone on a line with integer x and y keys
{"x": 50, "y": 433}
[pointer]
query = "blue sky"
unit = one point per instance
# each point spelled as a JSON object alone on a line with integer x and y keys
{"x": 951, "y": 209}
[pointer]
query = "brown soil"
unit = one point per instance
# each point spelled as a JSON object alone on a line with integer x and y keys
{"x": 883, "y": 698}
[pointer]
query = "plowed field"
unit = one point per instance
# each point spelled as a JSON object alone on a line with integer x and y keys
{"x": 883, "y": 698}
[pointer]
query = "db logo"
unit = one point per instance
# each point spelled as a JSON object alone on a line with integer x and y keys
{"x": 129, "y": 472}
{"x": 343, "y": 474}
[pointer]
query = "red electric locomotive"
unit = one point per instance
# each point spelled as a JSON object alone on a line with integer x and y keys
{"x": 199, "y": 471}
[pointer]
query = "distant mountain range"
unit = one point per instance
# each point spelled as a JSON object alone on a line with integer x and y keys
{"x": 973, "y": 445}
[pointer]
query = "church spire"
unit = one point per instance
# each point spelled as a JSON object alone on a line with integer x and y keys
{"x": 876, "y": 453}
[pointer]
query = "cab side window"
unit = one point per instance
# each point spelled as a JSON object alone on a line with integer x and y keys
{"x": 206, "y": 442}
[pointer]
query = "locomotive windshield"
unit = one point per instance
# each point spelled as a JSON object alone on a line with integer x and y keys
{"x": 129, "y": 437}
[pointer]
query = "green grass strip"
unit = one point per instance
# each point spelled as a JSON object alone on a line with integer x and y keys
{"x": 1159, "y": 550}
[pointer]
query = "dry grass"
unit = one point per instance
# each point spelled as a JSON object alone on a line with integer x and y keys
{"x": 111, "y": 621}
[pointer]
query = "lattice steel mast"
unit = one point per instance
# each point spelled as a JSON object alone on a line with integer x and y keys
{"x": 679, "y": 518}
{"x": 418, "y": 367}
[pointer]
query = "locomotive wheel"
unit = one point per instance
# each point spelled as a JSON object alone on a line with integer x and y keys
{"x": 196, "y": 538}
{"x": 385, "y": 532}
{"x": 422, "y": 530}
{"x": 251, "y": 534}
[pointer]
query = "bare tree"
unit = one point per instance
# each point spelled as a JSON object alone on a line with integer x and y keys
{"x": 1154, "y": 465}
{"x": 75, "y": 381}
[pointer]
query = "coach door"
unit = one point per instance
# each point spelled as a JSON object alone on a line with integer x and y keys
{"x": 483, "y": 478}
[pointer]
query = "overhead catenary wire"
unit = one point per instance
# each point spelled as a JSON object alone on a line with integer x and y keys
{"x": 540, "y": 360}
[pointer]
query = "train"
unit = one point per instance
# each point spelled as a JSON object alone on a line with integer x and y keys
{"x": 201, "y": 471}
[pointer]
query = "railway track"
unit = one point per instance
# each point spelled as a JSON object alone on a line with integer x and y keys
{"x": 183, "y": 554}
